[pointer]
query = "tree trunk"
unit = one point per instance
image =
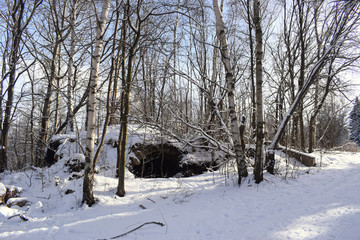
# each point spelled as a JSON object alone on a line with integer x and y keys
{"x": 122, "y": 135}
{"x": 32, "y": 127}
{"x": 16, "y": 34}
{"x": 71, "y": 75}
{"x": 311, "y": 78}
{"x": 230, "y": 83}
{"x": 259, "y": 150}
{"x": 175, "y": 51}
{"x": 109, "y": 98}
{"x": 88, "y": 196}
{"x": 57, "y": 119}
{"x": 312, "y": 123}
{"x": 3, "y": 76}
{"x": 291, "y": 57}
{"x": 124, "y": 119}
{"x": 302, "y": 37}
{"x": 252, "y": 79}
{"x": 116, "y": 67}
{"x": 45, "y": 119}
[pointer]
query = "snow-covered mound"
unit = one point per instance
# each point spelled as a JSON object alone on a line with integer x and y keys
{"x": 148, "y": 153}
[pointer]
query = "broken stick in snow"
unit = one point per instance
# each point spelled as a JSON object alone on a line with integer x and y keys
{"x": 22, "y": 217}
{"x": 132, "y": 230}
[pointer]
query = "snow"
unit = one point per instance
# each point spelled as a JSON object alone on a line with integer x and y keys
{"x": 299, "y": 202}
{"x": 2, "y": 189}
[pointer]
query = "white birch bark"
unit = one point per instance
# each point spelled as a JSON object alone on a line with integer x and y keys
{"x": 230, "y": 83}
{"x": 88, "y": 196}
{"x": 70, "y": 77}
{"x": 259, "y": 149}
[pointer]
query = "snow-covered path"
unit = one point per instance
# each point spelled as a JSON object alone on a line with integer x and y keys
{"x": 323, "y": 204}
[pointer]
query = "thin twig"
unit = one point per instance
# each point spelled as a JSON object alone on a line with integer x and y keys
{"x": 22, "y": 217}
{"x": 121, "y": 235}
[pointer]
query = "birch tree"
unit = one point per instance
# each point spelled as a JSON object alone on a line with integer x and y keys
{"x": 115, "y": 66}
{"x": 259, "y": 151}
{"x": 70, "y": 76}
{"x": 230, "y": 84}
{"x": 88, "y": 196}
{"x": 250, "y": 23}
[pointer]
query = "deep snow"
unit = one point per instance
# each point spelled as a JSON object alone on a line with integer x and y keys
{"x": 322, "y": 202}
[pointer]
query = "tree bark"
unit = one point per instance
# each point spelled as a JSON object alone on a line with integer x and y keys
{"x": 115, "y": 63}
{"x": 252, "y": 79}
{"x": 109, "y": 96}
{"x": 303, "y": 49}
{"x": 126, "y": 105}
{"x": 259, "y": 149}
{"x": 71, "y": 77}
{"x": 230, "y": 83}
{"x": 45, "y": 119}
{"x": 122, "y": 135}
{"x": 88, "y": 196}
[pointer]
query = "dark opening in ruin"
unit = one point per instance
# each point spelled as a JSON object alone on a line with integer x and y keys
{"x": 155, "y": 161}
{"x": 50, "y": 157}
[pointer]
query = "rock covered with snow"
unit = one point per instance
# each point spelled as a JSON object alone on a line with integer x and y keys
{"x": 21, "y": 202}
{"x": 12, "y": 191}
{"x": 76, "y": 163}
{"x": 169, "y": 159}
{"x": 7, "y": 192}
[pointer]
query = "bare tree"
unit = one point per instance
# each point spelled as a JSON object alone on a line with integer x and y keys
{"x": 19, "y": 16}
{"x": 70, "y": 77}
{"x": 344, "y": 17}
{"x": 259, "y": 151}
{"x": 57, "y": 22}
{"x": 250, "y": 22}
{"x": 127, "y": 82}
{"x": 88, "y": 185}
{"x": 230, "y": 83}
{"x": 116, "y": 60}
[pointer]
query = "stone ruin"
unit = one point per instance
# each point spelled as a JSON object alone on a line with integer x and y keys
{"x": 155, "y": 160}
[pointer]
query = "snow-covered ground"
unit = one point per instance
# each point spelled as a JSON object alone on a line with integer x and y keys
{"x": 300, "y": 203}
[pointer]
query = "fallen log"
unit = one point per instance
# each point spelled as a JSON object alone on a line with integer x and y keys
{"x": 302, "y": 157}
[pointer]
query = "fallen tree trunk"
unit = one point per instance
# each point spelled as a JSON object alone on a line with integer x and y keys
{"x": 341, "y": 31}
{"x": 302, "y": 157}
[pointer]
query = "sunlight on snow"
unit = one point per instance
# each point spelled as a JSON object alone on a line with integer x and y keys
{"x": 340, "y": 164}
{"x": 13, "y": 234}
{"x": 94, "y": 219}
{"x": 312, "y": 226}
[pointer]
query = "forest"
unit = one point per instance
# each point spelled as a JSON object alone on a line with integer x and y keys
{"x": 214, "y": 75}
